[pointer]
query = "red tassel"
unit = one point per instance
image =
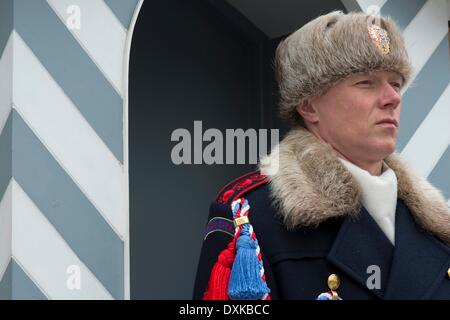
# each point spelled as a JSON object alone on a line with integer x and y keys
{"x": 220, "y": 274}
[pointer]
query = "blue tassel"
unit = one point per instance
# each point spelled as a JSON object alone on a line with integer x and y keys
{"x": 245, "y": 280}
{"x": 327, "y": 296}
{"x": 324, "y": 296}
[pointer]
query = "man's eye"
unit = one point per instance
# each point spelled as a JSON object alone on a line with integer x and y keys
{"x": 397, "y": 86}
{"x": 365, "y": 82}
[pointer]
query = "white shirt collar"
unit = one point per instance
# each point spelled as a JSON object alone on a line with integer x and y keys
{"x": 379, "y": 196}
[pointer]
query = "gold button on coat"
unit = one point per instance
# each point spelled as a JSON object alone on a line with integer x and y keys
{"x": 333, "y": 282}
{"x": 448, "y": 272}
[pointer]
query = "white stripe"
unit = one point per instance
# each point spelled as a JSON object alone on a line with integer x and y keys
{"x": 431, "y": 139}
{"x": 425, "y": 33}
{"x": 6, "y": 64}
{"x": 101, "y": 35}
{"x": 68, "y": 136}
{"x": 365, "y": 4}
{"x": 5, "y": 230}
{"x": 44, "y": 254}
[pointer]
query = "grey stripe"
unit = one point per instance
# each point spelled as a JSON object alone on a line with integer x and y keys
{"x": 67, "y": 208}
{"x": 72, "y": 69}
{"x": 23, "y": 288}
{"x": 123, "y": 9}
{"x": 6, "y": 22}
{"x": 5, "y": 177}
{"x": 5, "y": 156}
{"x": 6, "y": 284}
{"x": 402, "y": 11}
{"x": 419, "y": 99}
{"x": 440, "y": 176}
{"x": 351, "y": 5}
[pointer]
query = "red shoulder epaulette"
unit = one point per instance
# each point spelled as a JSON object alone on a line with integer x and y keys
{"x": 240, "y": 186}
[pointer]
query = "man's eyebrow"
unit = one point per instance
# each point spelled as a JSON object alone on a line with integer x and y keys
{"x": 396, "y": 76}
{"x": 363, "y": 75}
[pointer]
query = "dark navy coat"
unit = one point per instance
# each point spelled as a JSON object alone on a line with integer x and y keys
{"x": 298, "y": 263}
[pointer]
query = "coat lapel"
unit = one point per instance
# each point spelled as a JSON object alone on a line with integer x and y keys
{"x": 419, "y": 262}
{"x": 360, "y": 243}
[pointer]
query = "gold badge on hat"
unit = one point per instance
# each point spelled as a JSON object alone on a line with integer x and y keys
{"x": 380, "y": 38}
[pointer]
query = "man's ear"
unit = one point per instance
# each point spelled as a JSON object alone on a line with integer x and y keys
{"x": 308, "y": 112}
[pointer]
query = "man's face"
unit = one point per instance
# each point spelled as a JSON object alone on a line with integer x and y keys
{"x": 351, "y": 114}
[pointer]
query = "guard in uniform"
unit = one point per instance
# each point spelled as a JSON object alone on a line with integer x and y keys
{"x": 309, "y": 224}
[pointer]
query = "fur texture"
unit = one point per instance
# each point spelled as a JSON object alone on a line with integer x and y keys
{"x": 330, "y": 48}
{"x": 309, "y": 185}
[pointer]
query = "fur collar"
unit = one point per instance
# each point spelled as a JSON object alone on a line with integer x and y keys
{"x": 310, "y": 185}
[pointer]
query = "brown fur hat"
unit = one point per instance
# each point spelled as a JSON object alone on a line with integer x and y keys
{"x": 330, "y": 48}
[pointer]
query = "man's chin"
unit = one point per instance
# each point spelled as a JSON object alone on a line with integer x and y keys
{"x": 385, "y": 148}
{"x": 388, "y": 150}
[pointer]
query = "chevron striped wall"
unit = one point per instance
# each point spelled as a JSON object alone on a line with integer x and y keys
{"x": 63, "y": 148}
{"x": 424, "y": 136}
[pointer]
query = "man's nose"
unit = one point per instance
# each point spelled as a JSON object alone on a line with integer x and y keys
{"x": 391, "y": 97}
